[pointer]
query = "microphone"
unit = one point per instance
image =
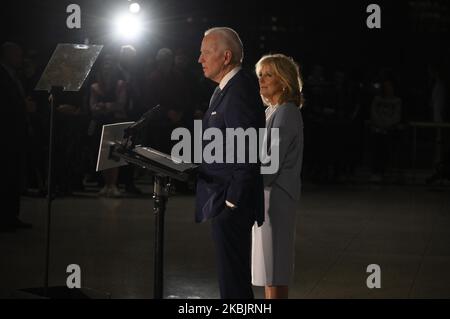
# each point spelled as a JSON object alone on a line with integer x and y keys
{"x": 147, "y": 116}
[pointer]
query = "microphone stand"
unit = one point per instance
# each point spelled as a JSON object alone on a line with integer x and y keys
{"x": 161, "y": 187}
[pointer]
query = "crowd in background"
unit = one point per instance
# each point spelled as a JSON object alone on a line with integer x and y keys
{"x": 353, "y": 118}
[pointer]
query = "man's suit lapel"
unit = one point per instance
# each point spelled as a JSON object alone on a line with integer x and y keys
{"x": 218, "y": 100}
{"x": 224, "y": 91}
{"x": 214, "y": 105}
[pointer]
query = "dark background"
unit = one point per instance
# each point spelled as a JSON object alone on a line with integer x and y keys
{"x": 332, "y": 34}
{"x": 405, "y": 225}
{"x": 329, "y": 32}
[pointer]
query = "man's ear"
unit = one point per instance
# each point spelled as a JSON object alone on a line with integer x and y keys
{"x": 228, "y": 55}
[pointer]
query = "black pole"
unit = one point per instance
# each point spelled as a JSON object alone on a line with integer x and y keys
{"x": 160, "y": 200}
{"x": 53, "y": 103}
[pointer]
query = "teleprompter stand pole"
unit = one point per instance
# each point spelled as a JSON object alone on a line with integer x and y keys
{"x": 55, "y": 94}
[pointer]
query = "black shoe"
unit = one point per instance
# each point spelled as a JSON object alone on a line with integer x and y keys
{"x": 17, "y": 223}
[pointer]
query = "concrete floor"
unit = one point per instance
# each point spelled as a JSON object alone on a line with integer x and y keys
{"x": 340, "y": 231}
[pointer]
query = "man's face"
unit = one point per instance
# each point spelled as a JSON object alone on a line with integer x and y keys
{"x": 212, "y": 58}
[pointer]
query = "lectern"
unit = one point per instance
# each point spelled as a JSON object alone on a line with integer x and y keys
{"x": 116, "y": 149}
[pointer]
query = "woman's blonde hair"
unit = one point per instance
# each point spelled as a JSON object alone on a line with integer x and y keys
{"x": 288, "y": 71}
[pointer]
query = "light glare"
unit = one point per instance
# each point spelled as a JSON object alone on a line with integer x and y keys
{"x": 128, "y": 26}
{"x": 134, "y": 7}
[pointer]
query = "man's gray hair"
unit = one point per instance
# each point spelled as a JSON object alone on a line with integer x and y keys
{"x": 231, "y": 41}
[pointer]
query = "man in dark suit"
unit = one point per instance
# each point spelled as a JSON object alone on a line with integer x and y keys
{"x": 13, "y": 133}
{"x": 230, "y": 194}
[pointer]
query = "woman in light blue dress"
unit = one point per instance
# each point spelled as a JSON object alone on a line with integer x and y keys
{"x": 273, "y": 245}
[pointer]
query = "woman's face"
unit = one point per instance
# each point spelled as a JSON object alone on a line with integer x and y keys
{"x": 270, "y": 86}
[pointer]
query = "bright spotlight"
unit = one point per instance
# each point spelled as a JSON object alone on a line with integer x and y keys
{"x": 128, "y": 26}
{"x": 134, "y": 7}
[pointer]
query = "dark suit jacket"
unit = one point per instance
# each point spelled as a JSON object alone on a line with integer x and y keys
{"x": 238, "y": 106}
